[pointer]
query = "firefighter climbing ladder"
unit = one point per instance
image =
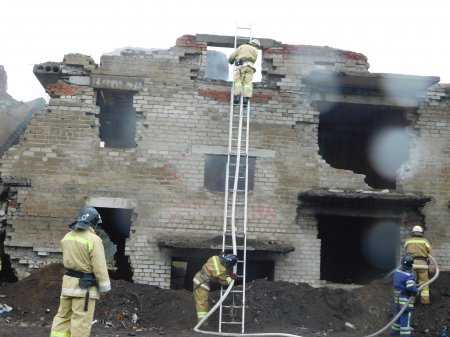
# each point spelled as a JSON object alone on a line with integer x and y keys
{"x": 234, "y": 240}
{"x": 231, "y": 304}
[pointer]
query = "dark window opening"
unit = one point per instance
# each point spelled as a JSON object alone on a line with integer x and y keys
{"x": 184, "y": 269}
{"x": 356, "y": 249}
{"x": 367, "y": 139}
{"x": 117, "y": 118}
{"x": 215, "y": 172}
{"x": 114, "y": 231}
{"x": 218, "y": 67}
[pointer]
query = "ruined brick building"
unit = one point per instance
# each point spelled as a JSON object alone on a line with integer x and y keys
{"x": 142, "y": 136}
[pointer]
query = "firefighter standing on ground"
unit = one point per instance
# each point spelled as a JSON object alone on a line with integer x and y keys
{"x": 420, "y": 248}
{"x": 405, "y": 286}
{"x": 86, "y": 275}
{"x": 244, "y": 58}
{"x": 216, "y": 269}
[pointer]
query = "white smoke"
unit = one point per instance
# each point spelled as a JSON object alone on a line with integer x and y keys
{"x": 389, "y": 150}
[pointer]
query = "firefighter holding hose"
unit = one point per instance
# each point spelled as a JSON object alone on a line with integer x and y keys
{"x": 216, "y": 269}
{"x": 420, "y": 248}
{"x": 405, "y": 286}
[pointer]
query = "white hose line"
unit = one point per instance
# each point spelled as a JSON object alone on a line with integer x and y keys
{"x": 402, "y": 310}
{"x": 224, "y": 296}
{"x": 214, "y": 308}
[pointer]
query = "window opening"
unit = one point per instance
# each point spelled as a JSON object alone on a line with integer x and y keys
{"x": 117, "y": 118}
{"x": 215, "y": 172}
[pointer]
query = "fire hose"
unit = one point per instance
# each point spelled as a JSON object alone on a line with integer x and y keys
{"x": 405, "y": 306}
{"x": 376, "y": 333}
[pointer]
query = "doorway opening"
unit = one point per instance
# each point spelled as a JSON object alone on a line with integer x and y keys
{"x": 184, "y": 269}
{"x": 114, "y": 231}
{"x": 357, "y": 249}
{"x": 7, "y": 273}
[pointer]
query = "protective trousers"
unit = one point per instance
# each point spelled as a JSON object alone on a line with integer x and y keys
{"x": 402, "y": 325}
{"x": 201, "y": 302}
{"x": 421, "y": 269}
{"x": 71, "y": 320}
{"x": 243, "y": 76}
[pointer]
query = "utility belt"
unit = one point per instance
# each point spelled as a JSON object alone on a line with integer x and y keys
{"x": 86, "y": 280}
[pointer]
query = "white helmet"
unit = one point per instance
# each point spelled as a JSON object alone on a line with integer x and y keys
{"x": 417, "y": 230}
{"x": 255, "y": 42}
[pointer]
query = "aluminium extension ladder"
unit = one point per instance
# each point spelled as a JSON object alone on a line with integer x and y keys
{"x": 234, "y": 241}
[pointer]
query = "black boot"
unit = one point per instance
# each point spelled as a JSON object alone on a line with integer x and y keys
{"x": 236, "y": 100}
{"x": 246, "y": 99}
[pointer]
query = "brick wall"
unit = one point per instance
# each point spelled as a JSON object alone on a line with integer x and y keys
{"x": 182, "y": 117}
{"x": 429, "y": 168}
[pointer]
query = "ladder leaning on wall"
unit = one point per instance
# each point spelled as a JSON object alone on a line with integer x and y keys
{"x": 232, "y": 310}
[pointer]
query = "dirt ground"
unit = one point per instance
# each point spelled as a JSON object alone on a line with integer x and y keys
{"x": 271, "y": 307}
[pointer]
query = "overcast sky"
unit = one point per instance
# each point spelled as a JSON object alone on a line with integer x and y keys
{"x": 406, "y": 37}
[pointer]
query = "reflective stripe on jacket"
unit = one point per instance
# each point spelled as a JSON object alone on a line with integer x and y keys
{"x": 418, "y": 247}
{"x": 83, "y": 251}
{"x": 212, "y": 270}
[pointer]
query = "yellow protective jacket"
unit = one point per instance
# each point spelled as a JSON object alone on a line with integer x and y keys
{"x": 244, "y": 52}
{"x": 418, "y": 247}
{"x": 83, "y": 251}
{"x": 212, "y": 271}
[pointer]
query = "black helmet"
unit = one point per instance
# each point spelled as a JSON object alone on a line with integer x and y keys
{"x": 87, "y": 217}
{"x": 229, "y": 259}
{"x": 407, "y": 262}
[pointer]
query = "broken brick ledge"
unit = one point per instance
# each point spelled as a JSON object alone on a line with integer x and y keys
{"x": 215, "y": 243}
{"x": 385, "y": 197}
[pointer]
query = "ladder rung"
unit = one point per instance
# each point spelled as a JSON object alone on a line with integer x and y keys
{"x": 232, "y": 306}
{"x": 233, "y": 322}
{"x": 235, "y": 218}
{"x": 237, "y": 232}
{"x": 237, "y": 291}
{"x": 237, "y": 247}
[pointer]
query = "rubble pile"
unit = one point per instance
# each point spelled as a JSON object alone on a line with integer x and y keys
{"x": 272, "y": 306}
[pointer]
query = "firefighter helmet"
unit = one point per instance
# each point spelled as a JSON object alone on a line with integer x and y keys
{"x": 418, "y": 230}
{"x": 229, "y": 259}
{"x": 407, "y": 262}
{"x": 256, "y": 43}
{"x": 88, "y": 217}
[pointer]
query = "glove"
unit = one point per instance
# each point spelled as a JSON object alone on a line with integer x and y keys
{"x": 233, "y": 276}
{"x": 238, "y": 62}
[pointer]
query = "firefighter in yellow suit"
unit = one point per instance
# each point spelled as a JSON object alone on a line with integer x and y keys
{"x": 86, "y": 276}
{"x": 419, "y": 247}
{"x": 216, "y": 269}
{"x": 244, "y": 58}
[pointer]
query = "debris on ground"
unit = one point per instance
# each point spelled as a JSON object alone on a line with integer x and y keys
{"x": 4, "y": 309}
{"x": 272, "y": 306}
